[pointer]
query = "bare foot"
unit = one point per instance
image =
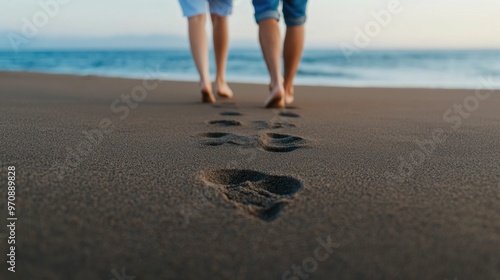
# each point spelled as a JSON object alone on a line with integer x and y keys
{"x": 224, "y": 91}
{"x": 206, "y": 94}
{"x": 276, "y": 99}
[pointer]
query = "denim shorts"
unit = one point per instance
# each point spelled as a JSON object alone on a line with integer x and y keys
{"x": 195, "y": 7}
{"x": 294, "y": 11}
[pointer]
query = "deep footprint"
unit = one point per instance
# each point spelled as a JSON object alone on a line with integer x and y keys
{"x": 224, "y": 123}
{"x": 281, "y": 143}
{"x": 289, "y": 115}
{"x": 231, "y": 114}
{"x": 222, "y": 138}
{"x": 258, "y": 194}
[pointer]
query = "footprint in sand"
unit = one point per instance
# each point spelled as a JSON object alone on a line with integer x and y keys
{"x": 272, "y": 124}
{"x": 288, "y": 115}
{"x": 281, "y": 143}
{"x": 221, "y": 138}
{"x": 231, "y": 114}
{"x": 270, "y": 142}
{"x": 224, "y": 123}
{"x": 257, "y": 194}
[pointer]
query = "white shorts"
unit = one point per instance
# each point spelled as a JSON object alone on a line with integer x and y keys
{"x": 195, "y": 7}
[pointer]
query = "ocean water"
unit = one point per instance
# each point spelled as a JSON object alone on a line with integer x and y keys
{"x": 427, "y": 69}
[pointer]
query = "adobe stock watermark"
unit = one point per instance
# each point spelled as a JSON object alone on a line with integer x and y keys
{"x": 121, "y": 108}
{"x": 372, "y": 29}
{"x": 49, "y": 9}
{"x": 454, "y": 116}
{"x": 121, "y": 276}
{"x": 310, "y": 264}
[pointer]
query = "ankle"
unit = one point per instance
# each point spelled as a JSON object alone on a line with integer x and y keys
{"x": 206, "y": 84}
{"x": 220, "y": 81}
{"x": 277, "y": 83}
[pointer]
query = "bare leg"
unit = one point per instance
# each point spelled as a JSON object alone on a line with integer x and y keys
{"x": 270, "y": 42}
{"x": 199, "y": 50}
{"x": 292, "y": 53}
{"x": 221, "y": 46}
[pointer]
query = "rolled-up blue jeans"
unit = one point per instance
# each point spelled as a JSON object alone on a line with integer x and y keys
{"x": 192, "y": 8}
{"x": 294, "y": 11}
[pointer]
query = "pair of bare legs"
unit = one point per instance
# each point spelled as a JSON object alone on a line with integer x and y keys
{"x": 199, "y": 49}
{"x": 281, "y": 88}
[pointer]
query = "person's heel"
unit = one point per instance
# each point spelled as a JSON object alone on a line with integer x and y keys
{"x": 207, "y": 97}
{"x": 275, "y": 101}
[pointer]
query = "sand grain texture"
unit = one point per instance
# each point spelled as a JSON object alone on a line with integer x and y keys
{"x": 154, "y": 196}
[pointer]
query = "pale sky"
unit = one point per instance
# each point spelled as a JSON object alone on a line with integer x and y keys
{"x": 420, "y": 24}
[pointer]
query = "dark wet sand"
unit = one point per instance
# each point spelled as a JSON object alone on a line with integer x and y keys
{"x": 152, "y": 194}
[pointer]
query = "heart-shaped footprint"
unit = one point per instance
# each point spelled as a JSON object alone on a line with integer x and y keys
{"x": 255, "y": 193}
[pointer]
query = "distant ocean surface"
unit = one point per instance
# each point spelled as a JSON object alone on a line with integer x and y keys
{"x": 427, "y": 69}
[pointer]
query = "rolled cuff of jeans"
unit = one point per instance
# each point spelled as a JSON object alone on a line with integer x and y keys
{"x": 221, "y": 12}
{"x": 295, "y": 21}
{"x": 266, "y": 15}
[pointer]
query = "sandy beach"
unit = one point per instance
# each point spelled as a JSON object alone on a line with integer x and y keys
{"x": 136, "y": 177}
